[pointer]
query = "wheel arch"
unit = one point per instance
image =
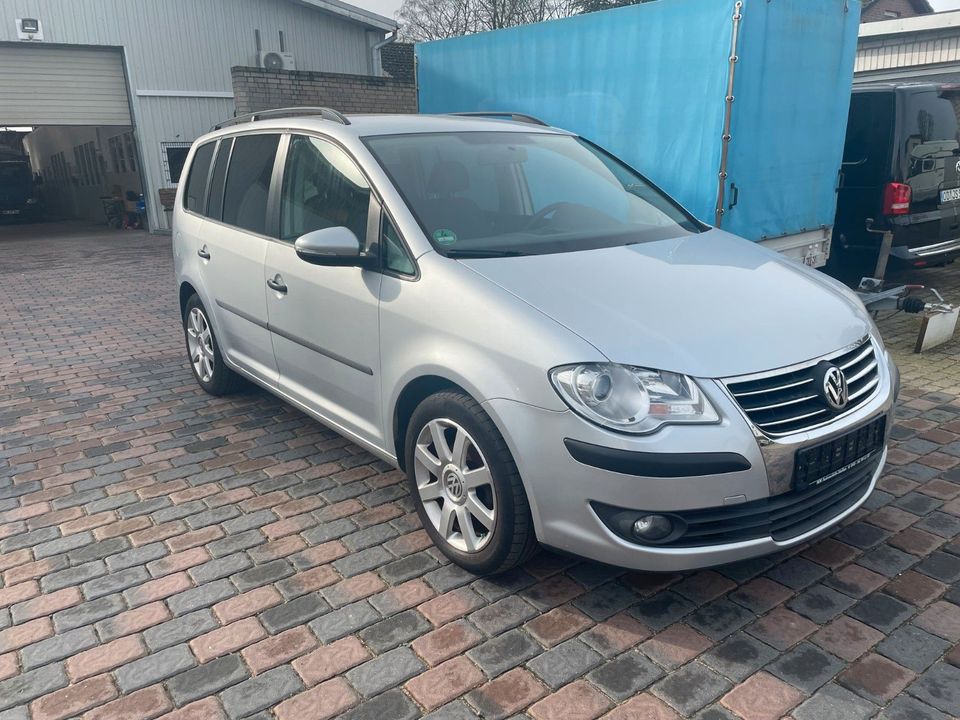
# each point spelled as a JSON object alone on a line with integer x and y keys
{"x": 415, "y": 392}
{"x": 186, "y": 292}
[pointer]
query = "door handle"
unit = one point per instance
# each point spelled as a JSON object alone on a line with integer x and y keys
{"x": 276, "y": 283}
{"x": 202, "y": 252}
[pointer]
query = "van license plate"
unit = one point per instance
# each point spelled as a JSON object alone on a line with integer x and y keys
{"x": 950, "y": 195}
{"x": 10, "y": 212}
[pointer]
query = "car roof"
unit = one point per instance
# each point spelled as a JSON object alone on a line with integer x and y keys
{"x": 366, "y": 125}
{"x": 900, "y": 87}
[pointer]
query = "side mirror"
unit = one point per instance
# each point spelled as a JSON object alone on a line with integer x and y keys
{"x": 333, "y": 246}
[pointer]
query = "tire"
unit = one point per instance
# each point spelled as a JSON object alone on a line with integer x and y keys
{"x": 442, "y": 485}
{"x": 220, "y": 380}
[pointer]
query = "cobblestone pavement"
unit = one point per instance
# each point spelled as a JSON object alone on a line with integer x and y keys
{"x": 164, "y": 553}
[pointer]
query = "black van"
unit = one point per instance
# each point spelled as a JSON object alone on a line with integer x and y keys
{"x": 18, "y": 197}
{"x": 901, "y": 167}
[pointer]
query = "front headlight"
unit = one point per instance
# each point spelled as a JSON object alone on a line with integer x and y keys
{"x": 631, "y": 399}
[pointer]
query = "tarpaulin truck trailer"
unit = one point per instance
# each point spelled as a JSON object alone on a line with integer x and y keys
{"x": 753, "y": 145}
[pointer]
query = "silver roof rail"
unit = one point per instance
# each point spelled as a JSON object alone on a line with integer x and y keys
{"x": 324, "y": 112}
{"x": 517, "y": 117}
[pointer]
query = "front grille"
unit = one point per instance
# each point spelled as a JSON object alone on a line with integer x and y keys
{"x": 782, "y": 517}
{"x": 790, "y": 402}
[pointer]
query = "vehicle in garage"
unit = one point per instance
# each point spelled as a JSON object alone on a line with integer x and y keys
{"x": 18, "y": 192}
{"x": 548, "y": 345}
{"x": 901, "y": 168}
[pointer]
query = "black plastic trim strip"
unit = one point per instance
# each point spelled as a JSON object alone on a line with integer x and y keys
{"x": 660, "y": 465}
{"x": 298, "y": 340}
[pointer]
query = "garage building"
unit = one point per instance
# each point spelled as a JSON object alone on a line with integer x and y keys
{"x": 115, "y": 91}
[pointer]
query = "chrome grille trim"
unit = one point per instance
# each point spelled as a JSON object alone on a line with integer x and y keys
{"x": 866, "y": 351}
{"x": 779, "y": 387}
{"x": 868, "y": 369}
{"x": 783, "y": 402}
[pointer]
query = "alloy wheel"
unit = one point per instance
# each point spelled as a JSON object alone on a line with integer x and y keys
{"x": 455, "y": 485}
{"x": 200, "y": 344}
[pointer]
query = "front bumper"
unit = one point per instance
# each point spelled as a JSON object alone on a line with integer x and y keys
{"x": 563, "y": 492}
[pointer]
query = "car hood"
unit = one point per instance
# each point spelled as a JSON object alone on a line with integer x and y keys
{"x": 708, "y": 305}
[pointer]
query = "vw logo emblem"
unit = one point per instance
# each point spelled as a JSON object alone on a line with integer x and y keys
{"x": 454, "y": 485}
{"x": 835, "y": 390}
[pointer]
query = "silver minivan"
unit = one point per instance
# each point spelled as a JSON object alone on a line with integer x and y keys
{"x": 551, "y": 349}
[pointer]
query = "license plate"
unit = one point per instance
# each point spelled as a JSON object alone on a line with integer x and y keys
{"x": 825, "y": 462}
{"x": 10, "y": 212}
{"x": 950, "y": 195}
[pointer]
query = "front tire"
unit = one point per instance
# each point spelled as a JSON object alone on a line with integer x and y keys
{"x": 466, "y": 486}
{"x": 203, "y": 351}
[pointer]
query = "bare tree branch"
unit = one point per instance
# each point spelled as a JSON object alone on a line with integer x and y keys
{"x": 437, "y": 19}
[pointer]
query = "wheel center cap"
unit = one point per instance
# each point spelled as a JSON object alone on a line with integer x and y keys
{"x": 453, "y": 484}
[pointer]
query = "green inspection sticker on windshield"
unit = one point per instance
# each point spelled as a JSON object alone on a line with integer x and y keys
{"x": 444, "y": 236}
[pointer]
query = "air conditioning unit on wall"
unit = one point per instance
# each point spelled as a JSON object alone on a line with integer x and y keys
{"x": 271, "y": 60}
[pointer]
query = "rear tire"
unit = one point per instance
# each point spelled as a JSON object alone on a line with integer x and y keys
{"x": 203, "y": 351}
{"x": 466, "y": 486}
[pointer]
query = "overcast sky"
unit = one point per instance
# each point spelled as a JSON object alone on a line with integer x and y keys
{"x": 389, "y": 7}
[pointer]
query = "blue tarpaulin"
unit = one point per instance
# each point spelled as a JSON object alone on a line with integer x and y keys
{"x": 648, "y": 82}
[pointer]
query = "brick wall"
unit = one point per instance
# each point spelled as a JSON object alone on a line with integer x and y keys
{"x": 255, "y": 89}
{"x": 877, "y": 10}
{"x": 398, "y": 62}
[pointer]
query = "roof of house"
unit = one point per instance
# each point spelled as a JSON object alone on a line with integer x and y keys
{"x": 920, "y": 6}
{"x": 364, "y": 17}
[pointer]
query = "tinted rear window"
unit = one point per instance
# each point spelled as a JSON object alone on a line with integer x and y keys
{"x": 248, "y": 182}
{"x": 197, "y": 182}
{"x": 931, "y": 146}
{"x": 218, "y": 180}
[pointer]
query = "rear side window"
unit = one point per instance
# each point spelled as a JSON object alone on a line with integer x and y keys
{"x": 197, "y": 182}
{"x": 868, "y": 152}
{"x": 218, "y": 180}
{"x": 248, "y": 182}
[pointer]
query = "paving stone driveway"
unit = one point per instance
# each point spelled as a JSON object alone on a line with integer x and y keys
{"x": 162, "y": 551}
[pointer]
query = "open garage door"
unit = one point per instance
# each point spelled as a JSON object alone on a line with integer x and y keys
{"x": 62, "y": 86}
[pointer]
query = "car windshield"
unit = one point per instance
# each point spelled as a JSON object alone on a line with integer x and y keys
{"x": 493, "y": 194}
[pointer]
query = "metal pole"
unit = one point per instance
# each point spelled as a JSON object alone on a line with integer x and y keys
{"x": 885, "y": 246}
{"x": 728, "y": 113}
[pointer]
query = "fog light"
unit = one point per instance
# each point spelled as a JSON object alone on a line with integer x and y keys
{"x": 653, "y": 527}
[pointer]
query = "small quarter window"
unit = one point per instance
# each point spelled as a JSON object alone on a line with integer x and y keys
{"x": 197, "y": 183}
{"x": 395, "y": 258}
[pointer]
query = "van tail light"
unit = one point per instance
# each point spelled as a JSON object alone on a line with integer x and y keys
{"x": 896, "y": 199}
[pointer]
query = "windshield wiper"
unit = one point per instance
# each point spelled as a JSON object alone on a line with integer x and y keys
{"x": 468, "y": 254}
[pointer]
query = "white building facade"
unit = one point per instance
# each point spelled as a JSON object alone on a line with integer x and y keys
{"x": 918, "y": 49}
{"x": 114, "y": 87}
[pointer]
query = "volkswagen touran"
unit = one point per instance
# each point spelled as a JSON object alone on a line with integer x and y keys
{"x": 552, "y": 350}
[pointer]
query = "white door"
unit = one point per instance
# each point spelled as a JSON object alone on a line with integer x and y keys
{"x": 235, "y": 243}
{"x": 324, "y": 320}
{"x": 62, "y": 86}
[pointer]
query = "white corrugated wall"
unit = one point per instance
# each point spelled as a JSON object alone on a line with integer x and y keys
{"x": 178, "y": 55}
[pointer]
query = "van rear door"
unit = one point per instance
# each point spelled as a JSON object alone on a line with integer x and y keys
{"x": 930, "y": 164}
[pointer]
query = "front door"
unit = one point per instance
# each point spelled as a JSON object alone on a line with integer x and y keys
{"x": 324, "y": 320}
{"x": 234, "y": 247}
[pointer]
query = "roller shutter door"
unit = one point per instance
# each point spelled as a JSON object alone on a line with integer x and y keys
{"x": 62, "y": 86}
